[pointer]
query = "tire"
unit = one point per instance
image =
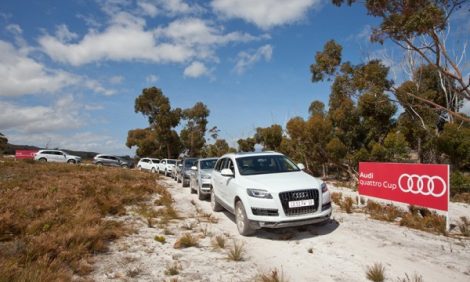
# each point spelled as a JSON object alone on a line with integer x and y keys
{"x": 200, "y": 196}
{"x": 166, "y": 173}
{"x": 214, "y": 204}
{"x": 243, "y": 224}
{"x": 43, "y": 160}
{"x": 193, "y": 191}
{"x": 71, "y": 161}
{"x": 184, "y": 183}
{"x": 124, "y": 166}
{"x": 99, "y": 164}
{"x": 153, "y": 170}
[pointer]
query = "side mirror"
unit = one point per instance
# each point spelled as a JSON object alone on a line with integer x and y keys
{"x": 180, "y": 165}
{"x": 301, "y": 166}
{"x": 227, "y": 172}
{"x": 194, "y": 168}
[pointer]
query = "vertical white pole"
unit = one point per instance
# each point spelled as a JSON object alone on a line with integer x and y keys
{"x": 448, "y": 199}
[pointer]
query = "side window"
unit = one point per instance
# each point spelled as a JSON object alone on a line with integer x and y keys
{"x": 145, "y": 160}
{"x": 229, "y": 165}
{"x": 220, "y": 164}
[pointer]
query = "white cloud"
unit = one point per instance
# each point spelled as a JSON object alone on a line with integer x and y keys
{"x": 152, "y": 78}
{"x": 148, "y": 8}
{"x": 196, "y": 69}
{"x": 117, "y": 79}
{"x": 126, "y": 38}
{"x": 175, "y": 7}
{"x": 265, "y": 13}
{"x": 64, "y": 34}
{"x": 245, "y": 60}
{"x": 98, "y": 88}
{"x": 82, "y": 141}
{"x": 20, "y": 75}
{"x": 63, "y": 114}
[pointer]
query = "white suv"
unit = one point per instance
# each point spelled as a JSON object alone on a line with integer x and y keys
{"x": 56, "y": 156}
{"x": 148, "y": 164}
{"x": 268, "y": 190}
{"x": 166, "y": 166}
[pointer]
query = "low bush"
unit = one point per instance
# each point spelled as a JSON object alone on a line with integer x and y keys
{"x": 160, "y": 239}
{"x": 376, "y": 272}
{"x": 464, "y": 226}
{"x": 219, "y": 241}
{"x": 186, "y": 241}
{"x": 381, "y": 212}
{"x": 236, "y": 251}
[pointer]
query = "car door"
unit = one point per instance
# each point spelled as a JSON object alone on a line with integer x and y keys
{"x": 61, "y": 157}
{"x": 145, "y": 164}
{"x": 230, "y": 183}
{"x": 222, "y": 183}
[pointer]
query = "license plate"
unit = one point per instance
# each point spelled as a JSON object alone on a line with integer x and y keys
{"x": 301, "y": 203}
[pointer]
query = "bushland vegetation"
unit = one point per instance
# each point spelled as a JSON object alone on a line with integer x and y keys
{"x": 54, "y": 217}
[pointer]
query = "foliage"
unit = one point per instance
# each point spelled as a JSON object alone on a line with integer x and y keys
{"x": 192, "y": 135}
{"x": 269, "y": 137}
{"x": 3, "y": 143}
{"x": 454, "y": 141}
{"x": 219, "y": 148}
{"x": 246, "y": 145}
{"x": 159, "y": 139}
{"x": 272, "y": 276}
{"x": 422, "y": 27}
{"x": 460, "y": 187}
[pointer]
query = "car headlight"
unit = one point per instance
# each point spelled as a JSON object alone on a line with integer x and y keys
{"x": 323, "y": 187}
{"x": 259, "y": 193}
{"x": 205, "y": 176}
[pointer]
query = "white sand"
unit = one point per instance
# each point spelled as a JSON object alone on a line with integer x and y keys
{"x": 339, "y": 251}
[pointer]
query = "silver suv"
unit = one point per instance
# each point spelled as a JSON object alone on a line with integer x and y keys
{"x": 56, "y": 156}
{"x": 111, "y": 160}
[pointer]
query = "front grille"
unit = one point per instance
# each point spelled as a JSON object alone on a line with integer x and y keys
{"x": 286, "y": 197}
{"x": 206, "y": 185}
{"x": 266, "y": 212}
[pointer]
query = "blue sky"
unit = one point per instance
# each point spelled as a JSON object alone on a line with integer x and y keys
{"x": 71, "y": 70}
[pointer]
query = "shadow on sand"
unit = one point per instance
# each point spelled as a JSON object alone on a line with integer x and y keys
{"x": 293, "y": 233}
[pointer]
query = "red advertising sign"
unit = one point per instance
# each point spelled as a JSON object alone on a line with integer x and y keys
{"x": 425, "y": 185}
{"x": 25, "y": 154}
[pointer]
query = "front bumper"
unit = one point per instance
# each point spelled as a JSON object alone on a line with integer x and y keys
{"x": 206, "y": 186}
{"x": 291, "y": 223}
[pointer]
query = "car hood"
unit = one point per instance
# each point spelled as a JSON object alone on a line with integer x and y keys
{"x": 278, "y": 182}
{"x": 206, "y": 171}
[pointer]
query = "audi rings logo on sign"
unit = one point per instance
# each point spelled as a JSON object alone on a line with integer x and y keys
{"x": 422, "y": 184}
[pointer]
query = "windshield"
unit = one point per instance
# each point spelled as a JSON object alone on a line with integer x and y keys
{"x": 208, "y": 164}
{"x": 171, "y": 162}
{"x": 189, "y": 163}
{"x": 265, "y": 164}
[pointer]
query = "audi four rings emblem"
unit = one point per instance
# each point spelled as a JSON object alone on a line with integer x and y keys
{"x": 300, "y": 195}
{"x": 422, "y": 184}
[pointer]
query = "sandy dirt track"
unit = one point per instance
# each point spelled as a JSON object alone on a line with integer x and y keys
{"x": 339, "y": 251}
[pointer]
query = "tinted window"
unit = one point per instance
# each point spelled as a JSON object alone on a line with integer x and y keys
{"x": 189, "y": 163}
{"x": 207, "y": 164}
{"x": 265, "y": 165}
{"x": 220, "y": 164}
{"x": 155, "y": 161}
{"x": 145, "y": 160}
{"x": 171, "y": 161}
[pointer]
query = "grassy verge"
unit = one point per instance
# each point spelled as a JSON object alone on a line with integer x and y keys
{"x": 51, "y": 216}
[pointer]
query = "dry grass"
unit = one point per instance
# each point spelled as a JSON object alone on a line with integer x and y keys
{"x": 376, "y": 272}
{"x": 464, "y": 226}
{"x": 345, "y": 204}
{"x": 413, "y": 278}
{"x": 237, "y": 251}
{"x": 173, "y": 269}
{"x": 381, "y": 212}
{"x": 186, "y": 241}
{"x": 272, "y": 276}
{"x": 219, "y": 242}
{"x": 425, "y": 220}
{"x": 51, "y": 216}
